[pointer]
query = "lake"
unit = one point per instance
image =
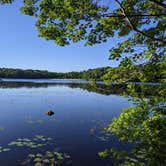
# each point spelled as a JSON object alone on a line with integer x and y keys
{"x": 72, "y": 136}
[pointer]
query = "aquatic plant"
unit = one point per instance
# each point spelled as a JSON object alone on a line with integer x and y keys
{"x": 48, "y": 158}
{"x": 35, "y": 142}
{"x": 32, "y": 120}
{"x": 1, "y": 128}
{"x": 4, "y": 149}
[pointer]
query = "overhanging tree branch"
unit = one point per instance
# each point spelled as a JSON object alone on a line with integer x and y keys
{"x": 132, "y": 15}
{"x": 159, "y": 4}
{"x": 136, "y": 29}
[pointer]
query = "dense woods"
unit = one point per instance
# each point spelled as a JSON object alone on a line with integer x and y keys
{"x": 103, "y": 73}
{"x": 34, "y": 74}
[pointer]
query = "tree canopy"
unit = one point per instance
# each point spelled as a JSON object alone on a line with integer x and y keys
{"x": 139, "y": 24}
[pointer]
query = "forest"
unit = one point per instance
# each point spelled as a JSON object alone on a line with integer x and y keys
{"x": 98, "y": 74}
{"x": 36, "y": 74}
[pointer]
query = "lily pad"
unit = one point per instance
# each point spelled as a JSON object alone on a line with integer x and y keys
{"x": 37, "y": 160}
{"x": 46, "y": 161}
{"x": 4, "y": 149}
{"x": 38, "y": 155}
{"x": 36, "y": 142}
{"x": 1, "y": 128}
{"x": 38, "y": 164}
{"x": 31, "y": 155}
{"x": 48, "y": 157}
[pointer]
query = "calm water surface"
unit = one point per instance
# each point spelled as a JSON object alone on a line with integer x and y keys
{"x": 75, "y": 129}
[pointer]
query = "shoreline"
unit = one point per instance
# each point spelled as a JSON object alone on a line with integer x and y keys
{"x": 41, "y": 79}
{"x": 60, "y": 80}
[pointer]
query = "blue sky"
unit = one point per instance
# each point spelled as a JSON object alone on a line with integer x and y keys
{"x": 21, "y": 48}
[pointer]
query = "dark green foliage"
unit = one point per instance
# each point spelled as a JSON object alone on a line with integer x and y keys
{"x": 107, "y": 74}
{"x": 19, "y": 73}
{"x": 95, "y": 74}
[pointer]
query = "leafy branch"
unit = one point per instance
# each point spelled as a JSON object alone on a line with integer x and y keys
{"x": 136, "y": 29}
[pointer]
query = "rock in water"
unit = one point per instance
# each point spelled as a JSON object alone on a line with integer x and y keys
{"x": 50, "y": 113}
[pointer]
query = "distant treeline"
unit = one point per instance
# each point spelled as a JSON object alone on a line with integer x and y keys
{"x": 37, "y": 74}
{"x": 103, "y": 73}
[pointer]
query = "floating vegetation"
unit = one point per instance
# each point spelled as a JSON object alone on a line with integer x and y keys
{"x": 48, "y": 158}
{"x": 36, "y": 142}
{"x": 97, "y": 127}
{"x": 35, "y": 120}
{"x": 40, "y": 121}
{"x": 31, "y": 120}
{"x": 4, "y": 149}
{"x": 1, "y": 128}
{"x": 105, "y": 136}
{"x": 93, "y": 131}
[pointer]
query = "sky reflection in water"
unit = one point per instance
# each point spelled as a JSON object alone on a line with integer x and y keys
{"x": 80, "y": 113}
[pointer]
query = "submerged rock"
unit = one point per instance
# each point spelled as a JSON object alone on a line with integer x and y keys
{"x": 50, "y": 113}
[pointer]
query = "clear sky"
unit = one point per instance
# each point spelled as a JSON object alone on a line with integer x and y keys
{"x": 21, "y": 48}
